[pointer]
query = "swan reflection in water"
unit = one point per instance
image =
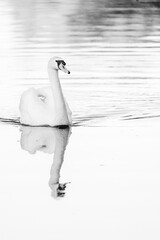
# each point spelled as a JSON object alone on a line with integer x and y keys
{"x": 52, "y": 141}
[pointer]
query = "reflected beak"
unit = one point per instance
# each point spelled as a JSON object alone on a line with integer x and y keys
{"x": 63, "y": 68}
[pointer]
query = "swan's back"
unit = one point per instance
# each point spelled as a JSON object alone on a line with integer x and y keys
{"x": 37, "y": 107}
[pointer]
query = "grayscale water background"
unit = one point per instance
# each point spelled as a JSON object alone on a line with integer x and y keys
{"x": 112, "y": 49}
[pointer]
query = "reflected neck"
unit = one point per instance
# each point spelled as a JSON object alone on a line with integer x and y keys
{"x": 61, "y": 137}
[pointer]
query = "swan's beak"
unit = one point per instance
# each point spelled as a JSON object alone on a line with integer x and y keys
{"x": 63, "y": 68}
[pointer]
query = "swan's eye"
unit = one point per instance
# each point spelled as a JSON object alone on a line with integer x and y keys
{"x": 63, "y": 62}
{"x": 60, "y": 62}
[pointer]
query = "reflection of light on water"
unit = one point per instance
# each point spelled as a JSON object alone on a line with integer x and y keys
{"x": 51, "y": 141}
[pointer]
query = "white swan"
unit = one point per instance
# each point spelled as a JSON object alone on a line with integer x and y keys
{"x": 46, "y": 106}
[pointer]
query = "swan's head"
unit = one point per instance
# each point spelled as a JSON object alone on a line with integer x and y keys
{"x": 58, "y": 63}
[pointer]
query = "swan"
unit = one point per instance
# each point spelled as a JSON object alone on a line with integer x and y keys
{"x": 46, "y": 106}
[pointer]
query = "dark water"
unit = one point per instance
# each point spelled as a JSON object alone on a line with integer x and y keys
{"x": 111, "y": 47}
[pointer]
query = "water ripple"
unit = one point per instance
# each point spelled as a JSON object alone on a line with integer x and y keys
{"x": 111, "y": 48}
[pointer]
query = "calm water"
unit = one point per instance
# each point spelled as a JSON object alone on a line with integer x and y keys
{"x": 111, "y": 47}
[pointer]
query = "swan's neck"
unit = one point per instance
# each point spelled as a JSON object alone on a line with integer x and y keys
{"x": 60, "y": 106}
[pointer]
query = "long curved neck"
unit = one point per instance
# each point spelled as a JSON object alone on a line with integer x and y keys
{"x": 62, "y": 116}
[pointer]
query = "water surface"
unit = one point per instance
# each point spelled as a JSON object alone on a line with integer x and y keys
{"x": 111, "y": 48}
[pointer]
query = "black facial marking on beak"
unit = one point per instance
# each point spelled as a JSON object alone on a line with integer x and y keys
{"x": 59, "y": 62}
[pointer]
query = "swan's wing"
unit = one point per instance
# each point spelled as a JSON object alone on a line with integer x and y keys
{"x": 46, "y": 95}
{"x": 44, "y": 92}
{"x": 37, "y": 107}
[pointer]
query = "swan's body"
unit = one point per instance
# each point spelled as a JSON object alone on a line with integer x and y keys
{"x": 46, "y": 106}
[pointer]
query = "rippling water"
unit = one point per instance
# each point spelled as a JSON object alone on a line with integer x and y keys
{"x": 111, "y": 47}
